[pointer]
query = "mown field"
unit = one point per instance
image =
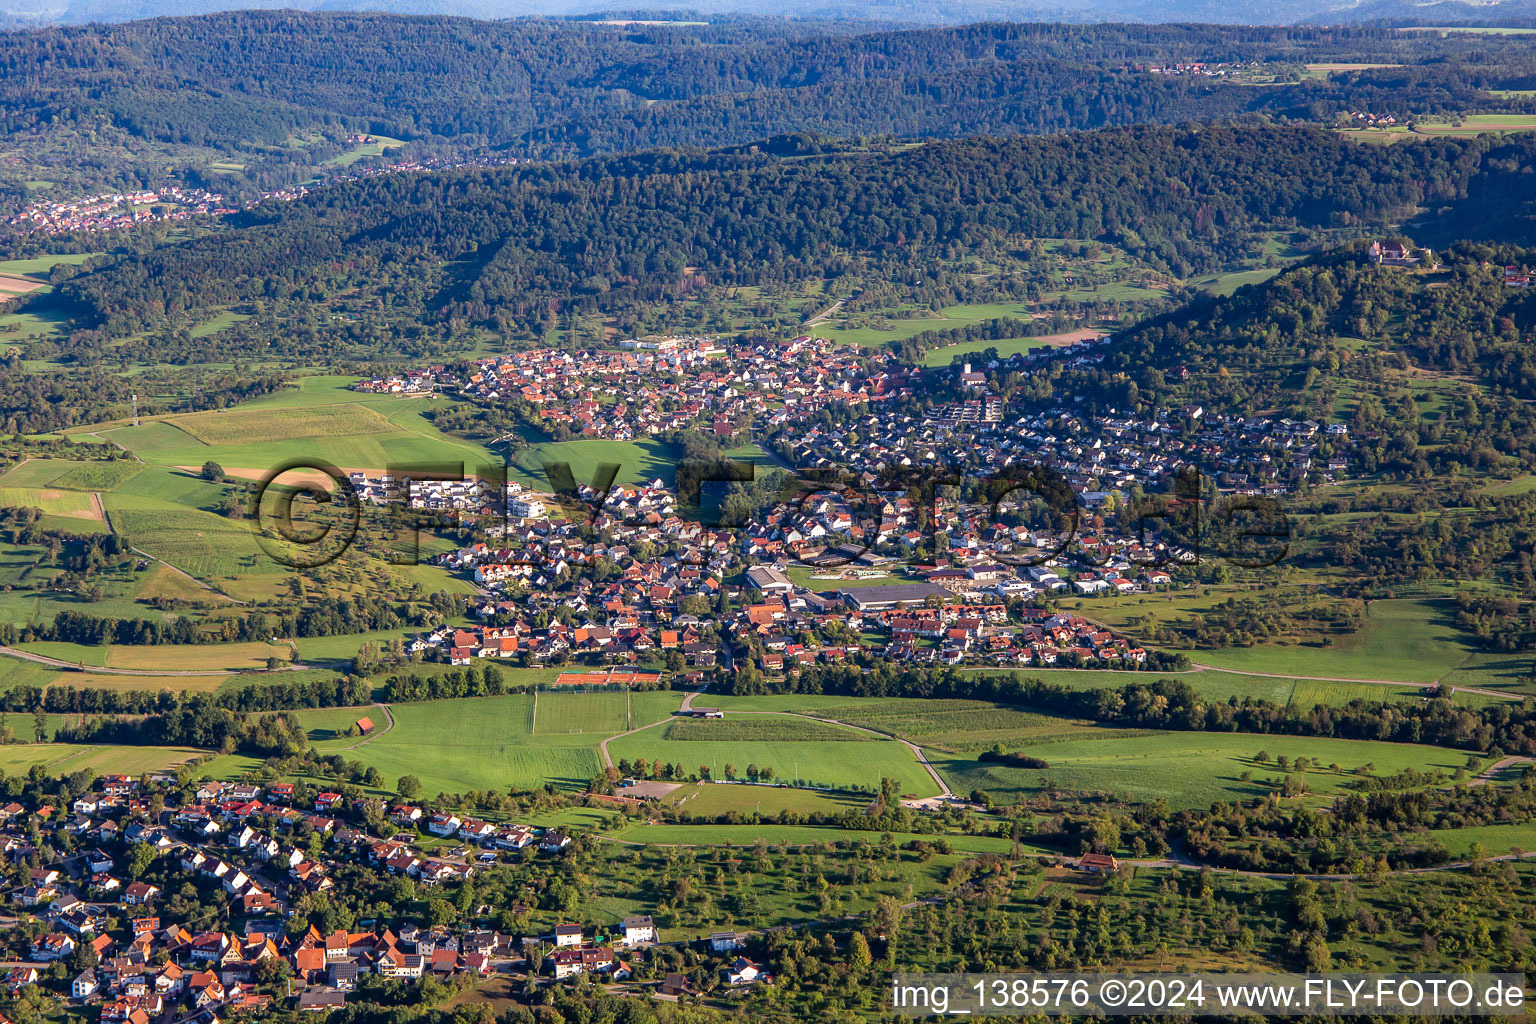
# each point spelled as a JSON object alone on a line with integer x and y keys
{"x": 1186, "y": 769}
{"x": 247, "y": 426}
{"x": 577, "y": 714}
{"x": 181, "y": 657}
{"x": 760, "y": 729}
{"x": 476, "y": 743}
{"x": 1404, "y": 640}
{"x": 70, "y": 474}
{"x": 67, "y": 758}
{"x": 834, "y": 765}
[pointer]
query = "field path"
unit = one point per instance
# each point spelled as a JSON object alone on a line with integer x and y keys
{"x": 1171, "y": 862}
{"x": 1492, "y": 772}
{"x": 819, "y": 317}
{"x": 43, "y": 659}
{"x": 602, "y": 747}
{"x": 1502, "y": 695}
{"x": 944, "y": 796}
{"x": 107, "y": 518}
{"x": 389, "y": 723}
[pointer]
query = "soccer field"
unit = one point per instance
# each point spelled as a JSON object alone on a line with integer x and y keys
{"x": 580, "y": 714}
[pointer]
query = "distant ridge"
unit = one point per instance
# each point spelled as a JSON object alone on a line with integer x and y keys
{"x": 33, "y": 13}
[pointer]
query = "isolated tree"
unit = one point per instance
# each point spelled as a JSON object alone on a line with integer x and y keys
{"x": 409, "y": 786}
{"x": 212, "y": 471}
{"x": 859, "y": 956}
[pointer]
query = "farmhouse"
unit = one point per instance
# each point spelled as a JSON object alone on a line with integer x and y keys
{"x": 1098, "y": 863}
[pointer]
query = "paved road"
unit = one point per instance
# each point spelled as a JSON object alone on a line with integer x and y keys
{"x": 813, "y": 321}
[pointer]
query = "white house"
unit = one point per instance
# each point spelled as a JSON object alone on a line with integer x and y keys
{"x": 639, "y": 928}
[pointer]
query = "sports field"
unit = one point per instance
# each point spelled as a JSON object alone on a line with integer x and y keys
{"x": 580, "y": 714}
{"x": 476, "y": 743}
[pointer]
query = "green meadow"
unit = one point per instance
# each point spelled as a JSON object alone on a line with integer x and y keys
{"x": 818, "y": 763}
{"x": 1186, "y": 769}
{"x": 639, "y": 461}
{"x": 476, "y": 743}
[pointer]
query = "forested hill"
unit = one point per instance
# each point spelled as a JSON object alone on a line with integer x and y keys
{"x": 512, "y": 247}
{"x": 1438, "y": 361}
{"x": 257, "y": 82}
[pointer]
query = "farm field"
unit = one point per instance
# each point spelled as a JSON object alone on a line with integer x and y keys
{"x": 69, "y": 504}
{"x": 344, "y": 647}
{"x": 1226, "y": 284}
{"x": 1405, "y": 640}
{"x": 251, "y": 655}
{"x": 902, "y": 329}
{"x": 248, "y": 426}
{"x": 835, "y": 765}
{"x": 759, "y": 729}
{"x": 959, "y": 725}
{"x": 39, "y": 266}
{"x": 70, "y": 474}
{"x": 1186, "y": 769}
{"x": 370, "y": 432}
{"x": 110, "y": 681}
{"x": 1496, "y": 840}
{"x": 1476, "y": 124}
{"x": 792, "y": 835}
{"x": 67, "y": 758}
{"x": 186, "y": 657}
{"x": 217, "y": 323}
{"x": 476, "y": 743}
{"x": 1005, "y": 348}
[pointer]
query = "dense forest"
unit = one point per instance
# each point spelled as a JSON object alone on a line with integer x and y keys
{"x": 118, "y": 104}
{"x": 615, "y": 233}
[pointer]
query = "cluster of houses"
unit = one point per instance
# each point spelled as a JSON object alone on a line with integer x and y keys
{"x": 1396, "y": 254}
{"x": 646, "y": 388}
{"x": 631, "y": 575}
{"x": 1196, "y": 69}
{"x": 143, "y": 966}
{"x": 111, "y": 210}
{"x": 1366, "y": 119}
